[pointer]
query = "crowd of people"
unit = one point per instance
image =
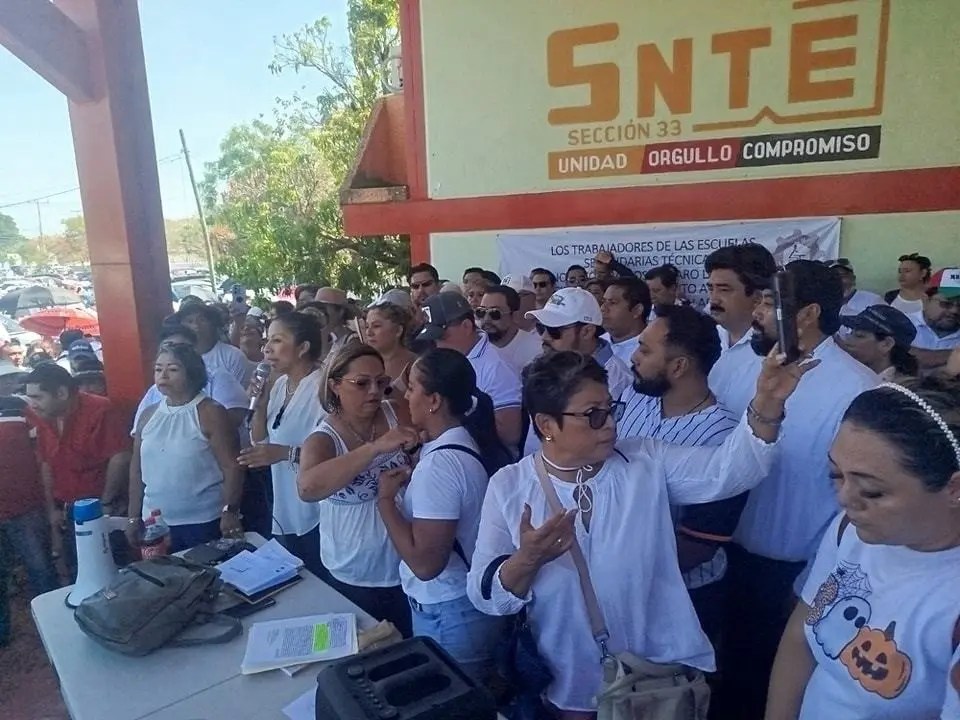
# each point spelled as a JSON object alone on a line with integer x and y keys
{"x": 792, "y": 529}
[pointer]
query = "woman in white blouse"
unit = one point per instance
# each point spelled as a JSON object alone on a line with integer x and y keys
{"x": 618, "y": 499}
{"x": 285, "y": 415}
{"x": 877, "y": 630}
{"x": 363, "y": 436}
{"x": 184, "y": 457}
{"x": 435, "y": 530}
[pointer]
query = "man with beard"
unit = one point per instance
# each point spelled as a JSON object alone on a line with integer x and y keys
{"x": 938, "y": 324}
{"x": 737, "y": 275}
{"x": 497, "y": 317}
{"x": 786, "y": 515}
{"x": 671, "y": 401}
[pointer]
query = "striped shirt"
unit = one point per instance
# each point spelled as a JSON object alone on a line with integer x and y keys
{"x": 643, "y": 417}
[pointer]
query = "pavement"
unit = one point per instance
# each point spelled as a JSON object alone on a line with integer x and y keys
{"x": 28, "y": 685}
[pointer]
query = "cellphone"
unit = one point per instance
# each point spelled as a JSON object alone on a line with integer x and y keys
{"x": 785, "y": 301}
{"x": 245, "y": 609}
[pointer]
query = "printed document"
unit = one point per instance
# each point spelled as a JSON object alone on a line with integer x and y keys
{"x": 298, "y": 641}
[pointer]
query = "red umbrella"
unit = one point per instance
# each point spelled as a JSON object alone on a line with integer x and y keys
{"x": 52, "y": 322}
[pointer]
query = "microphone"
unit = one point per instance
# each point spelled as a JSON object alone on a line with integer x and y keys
{"x": 259, "y": 380}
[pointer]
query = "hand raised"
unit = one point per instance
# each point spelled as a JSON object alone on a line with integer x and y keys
{"x": 778, "y": 379}
{"x": 398, "y": 438}
{"x": 549, "y": 541}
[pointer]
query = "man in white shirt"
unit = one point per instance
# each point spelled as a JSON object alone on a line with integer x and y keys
{"x": 450, "y": 323}
{"x": 670, "y": 401}
{"x": 913, "y": 274}
{"x": 854, "y": 301}
{"x": 938, "y": 324}
{"x": 207, "y": 322}
{"x": 625, "y": 309}
{"x": 737, "y": 275}
{"x": 571, "y": 320}
{"x": 497, "y": 317}
{"x": 785, "y": 516}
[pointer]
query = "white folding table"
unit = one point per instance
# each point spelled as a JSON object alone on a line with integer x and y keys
{"x": 196, "y": 683}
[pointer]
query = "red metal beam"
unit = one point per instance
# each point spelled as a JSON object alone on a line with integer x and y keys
{"x": 50, "y": 43}
{"x": 120, "y": 192}
{"x": 898, "y": 191}
{"x": 415, "y": 124}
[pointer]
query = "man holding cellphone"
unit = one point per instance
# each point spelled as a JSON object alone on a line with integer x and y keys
{"x": 785, "y": 516}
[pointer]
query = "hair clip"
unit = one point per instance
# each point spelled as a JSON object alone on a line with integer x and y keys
{"x": 934, "y": 415}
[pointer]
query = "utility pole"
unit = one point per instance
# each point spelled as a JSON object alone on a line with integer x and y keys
{"x": 203, "y": 219}
{"x": 40, "y": 221}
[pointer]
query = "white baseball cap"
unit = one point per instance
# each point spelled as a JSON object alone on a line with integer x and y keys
{"x": 394, "y": 297}
{"x": 520, "y": 282}
{"x": 566, "y": 307}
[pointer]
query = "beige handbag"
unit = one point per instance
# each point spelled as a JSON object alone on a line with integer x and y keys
{"x": 632, "y": 688}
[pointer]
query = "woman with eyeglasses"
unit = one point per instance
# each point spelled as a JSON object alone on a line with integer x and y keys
{"x": 387, "y": 326}
{"x": 434, "y": 527}
{"x": 616, "y": 500}
{"x": 286, "y": 413}
{"x": 184, "y": 457}
{"x": 876, "y": 633}
{"x": 363, "y": 435}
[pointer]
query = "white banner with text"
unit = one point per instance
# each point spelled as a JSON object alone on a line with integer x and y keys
{"x": 643, "y": 248}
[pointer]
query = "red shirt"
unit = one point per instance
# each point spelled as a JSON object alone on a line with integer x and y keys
{"x": 92, "y": 434}
{"x": 20, "y": 487}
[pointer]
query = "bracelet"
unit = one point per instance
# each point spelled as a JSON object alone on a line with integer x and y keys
{"x": 762, "y": 419}
{"x": 293, "y": 456}
{"x": 133, "y": 521}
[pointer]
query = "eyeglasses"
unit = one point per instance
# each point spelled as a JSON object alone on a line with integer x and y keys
{"x": 363, "y": 383}
{"x": 495, "y": 313}
{"x": 541, "y": 284}
{"x": 554, "y": 332}
{"x": 597, "y": 417}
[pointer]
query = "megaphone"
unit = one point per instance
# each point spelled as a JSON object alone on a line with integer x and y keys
{"x": 95, "y": 566}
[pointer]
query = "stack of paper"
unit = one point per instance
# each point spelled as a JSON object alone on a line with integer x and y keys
{"x": 299, "y": 641}
{"x": 254, "y": 572}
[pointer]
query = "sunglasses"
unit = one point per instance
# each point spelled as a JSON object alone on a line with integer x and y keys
{"x": 554, "y": 332}
{"x": 597, "y": 417}
{"x": 417, "y": 286}
{"x": 363, "y": 383}
{"x": 495, "y": 314}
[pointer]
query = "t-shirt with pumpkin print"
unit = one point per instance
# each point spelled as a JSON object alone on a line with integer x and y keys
{"x": 880, "y": 628}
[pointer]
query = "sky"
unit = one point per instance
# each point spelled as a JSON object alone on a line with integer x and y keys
{"x": 206, "y": 70}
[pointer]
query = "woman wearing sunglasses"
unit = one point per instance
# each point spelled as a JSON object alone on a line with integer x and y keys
{"x": 363, "y": 436}
{"x": 285, "y": 415}
{"x": 184, "y": 457}
{"x": 617, "y": 501}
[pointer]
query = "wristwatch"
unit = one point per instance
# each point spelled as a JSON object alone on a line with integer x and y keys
{"x": 232, "y": 509}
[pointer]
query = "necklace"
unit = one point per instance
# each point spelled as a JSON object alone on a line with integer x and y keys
{"x": 582, "y": 494}
{"x": 687, "y": 412}
{"x": 358, "y": 436}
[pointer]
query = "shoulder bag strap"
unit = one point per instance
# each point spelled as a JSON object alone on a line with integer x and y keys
{"x": 457, "y": 547}
{"x": 598, "y": 625}
{"x": 230, "y": 628}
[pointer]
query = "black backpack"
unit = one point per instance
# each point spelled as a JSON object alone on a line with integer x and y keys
{"x": 151, "y": 602}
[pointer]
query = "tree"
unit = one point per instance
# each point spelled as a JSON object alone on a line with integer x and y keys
{"x": 10, "y": 238}
{"x": 275, "y": 185}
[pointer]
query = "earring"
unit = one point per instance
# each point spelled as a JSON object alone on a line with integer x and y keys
{"x": 432, "y": 410}
{"x": 548, "y": 438}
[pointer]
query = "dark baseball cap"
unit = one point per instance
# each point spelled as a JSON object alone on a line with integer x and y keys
{"x": 80, "y": 347}
{"x": 841, "y": 264}
{"x": 442, "y": 310}
{"x": 883, "y": 320}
